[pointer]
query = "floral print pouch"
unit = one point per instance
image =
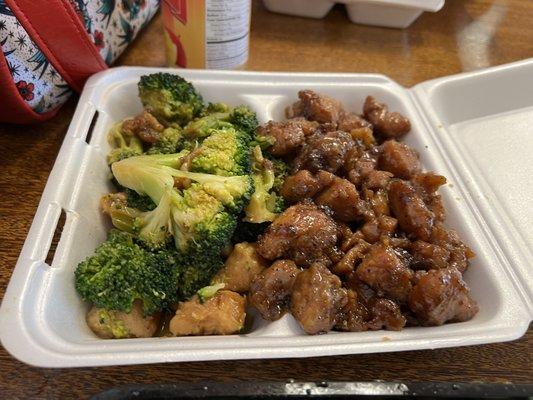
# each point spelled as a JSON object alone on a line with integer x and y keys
{"x": 34, "y": 72}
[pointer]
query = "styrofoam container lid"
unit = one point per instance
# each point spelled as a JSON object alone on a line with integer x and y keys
{"x": 388, "y": 13}
{"x": 474, "y": 128}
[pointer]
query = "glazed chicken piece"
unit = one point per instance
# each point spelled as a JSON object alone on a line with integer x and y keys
{"x": 241, "y": 267}
{"x": 324, "y": 152}
{"x": 366, "y": 311}
{"x": 413, "y": 216}
{"x": 360, "y": 165}
{"x": 317, "y": 299}
{"x": 300, "y": 186}
{"x": 351, "y": 257}
{"x": 384, "y": 272}
{"x": 358, "y": 316}
{"x": 427, "y": 184}
{"x": 352, "y": 121}
{"x": 375, "y": 228}
{"x": 386, "y": 314}
{"x": 388, "y": 124}
{"x": 317, "y": 107}
{"x": 308, "y": 127}
{"x": 440, "y": 296}
{"x": 305, "y": 185}
{"x": 222, "y": 314}
{"x": 377, "y": 179}
{"x": 377, "y": 200}
{"x": 145, "y": 126}
{"x": 286, "y": 137}
{"x": 270, "y": 291}
{"x": 400, "y": 160}
{"x": 354, "y": 315}
{"x": 302, "y": 233}
{"x": 448, "y": 239}
{"x": 429, "y": 256}
{"x": 342, "y": 198}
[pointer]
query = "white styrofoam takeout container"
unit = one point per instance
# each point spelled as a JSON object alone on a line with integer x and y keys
{"x": 474, "y": 128}
{"x": 388, "y": 13}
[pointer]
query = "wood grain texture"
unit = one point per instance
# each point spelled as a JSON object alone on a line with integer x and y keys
{"x": 465, "y": 35}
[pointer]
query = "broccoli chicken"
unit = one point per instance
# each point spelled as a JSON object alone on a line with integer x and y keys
{"x": 190, "y": 180}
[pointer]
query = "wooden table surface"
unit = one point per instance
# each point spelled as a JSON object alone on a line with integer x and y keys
{"x": 464, "y": 35}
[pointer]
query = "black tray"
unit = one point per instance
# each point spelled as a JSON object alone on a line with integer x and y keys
{"x": 320, "y": 390}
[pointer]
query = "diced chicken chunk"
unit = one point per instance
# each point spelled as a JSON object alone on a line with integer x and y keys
{"x": 308, "y": 127}
{"x": 429, "y": 256}
{"x": 302, "y": 233}
{"x": 376, "y": 179}
{"x": 409, "y": 208}
{"x": 118, "y": 325}
{"x": 374, "y": 229}
{"x": 286, "y": 137}
{"x": 384, "y": 272}
{"x": 319, "y": 107}
{"x": 354, "y": 315}
{"x": 386, "y": 314}
{"x": 399, "y": 159}
{"x": 351, "y": 258}
{"x": 317, "y": 299}
{"x": 324, "y": 152}
{"x": 441, "y": 295}
{"x": 388, "y": 124}
{"x": 270, "y": 292}
{"x": 352, "y": 121}
{"x": 342, "y": 198}
{"x": 222, "y": 314}
{"x": 448, "y": 239}
{"x": 241, "y": 267}
{"x": 302, "y": 185}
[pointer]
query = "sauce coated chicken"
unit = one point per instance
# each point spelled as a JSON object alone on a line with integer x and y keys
{"x": 302, "y": 233}
{"x": 270, "y": 292}
{"x": 363, "y": 244}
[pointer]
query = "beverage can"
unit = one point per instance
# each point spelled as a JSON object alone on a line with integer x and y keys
{"x": 212, "y": 34}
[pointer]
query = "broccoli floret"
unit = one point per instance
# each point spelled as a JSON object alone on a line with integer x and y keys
{"x": 121, "y": 271}
{"x": 232, "y": 191}
{"x": 213, "y": 108}
{"x": 201, "y": 128}
{"x": 169, "y": 142}
{"x": 225, "y": 152}
{"x": 200, "y": 216}
{"x": 264, "y": 142}
{"x": 135, "y": 200}
{"x": 150, "y": 227}
{"x": 170, "y": 98}
{"x": 124, "y": 144}
{"x": 281, "y": 171}
{"x": 200, "y": 223}
{"x": 243, "y": 118}
{"x": 207, "y": 292}
{"x": 265, "y": 203}
{"x": 196, "y": 271}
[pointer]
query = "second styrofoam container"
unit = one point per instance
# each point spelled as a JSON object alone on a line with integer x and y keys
{"x": 388, "y": 13}
{"x": 475, "y": 129}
